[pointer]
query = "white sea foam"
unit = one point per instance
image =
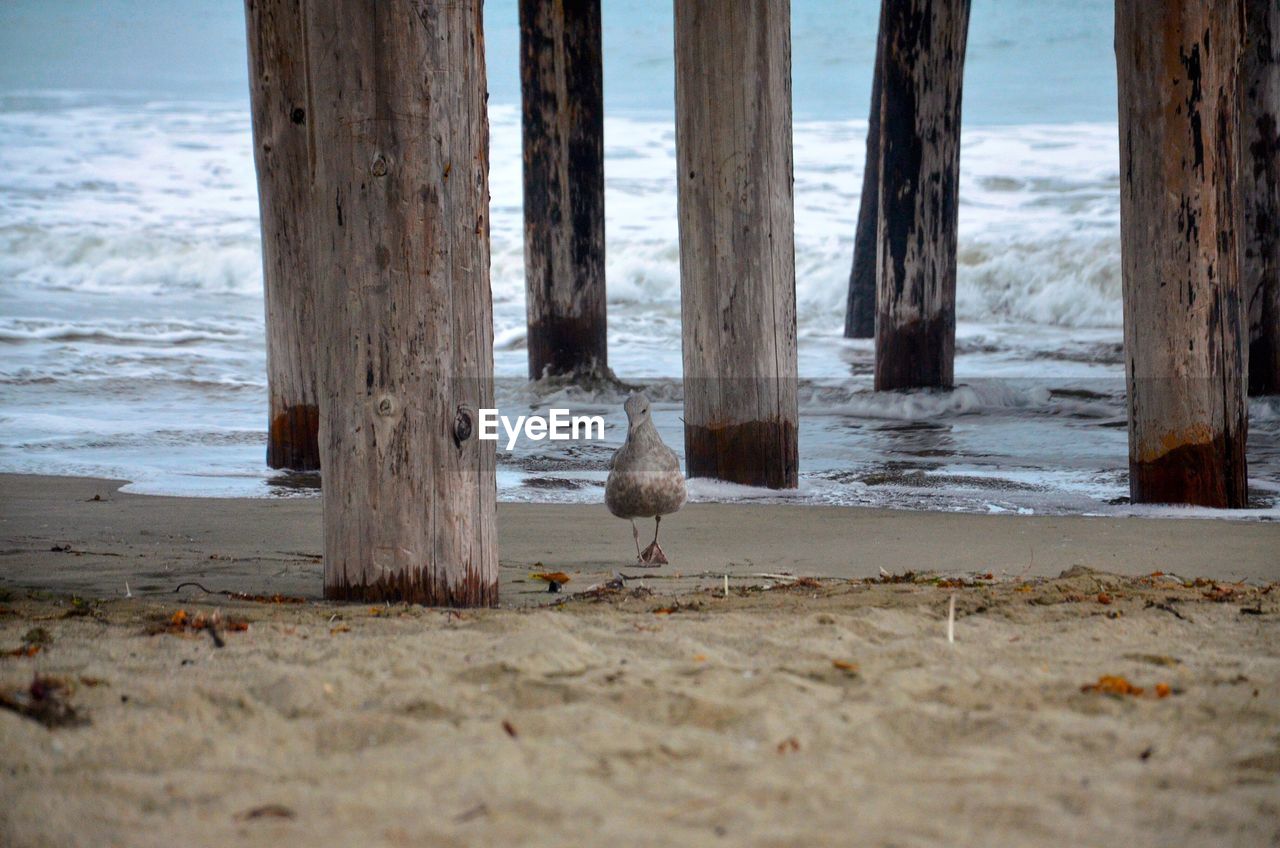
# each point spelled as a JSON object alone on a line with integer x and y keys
{"x": 131, "y": 338}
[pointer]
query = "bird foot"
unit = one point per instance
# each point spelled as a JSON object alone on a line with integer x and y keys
{"x": 653, "y": 556}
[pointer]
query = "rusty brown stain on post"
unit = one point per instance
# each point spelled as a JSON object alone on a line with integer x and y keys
{"x": 757, "y": 453}
{"x": 416, "y": 586}
{"x": 293, "y": 440}
{"x": 1189, "y": 473}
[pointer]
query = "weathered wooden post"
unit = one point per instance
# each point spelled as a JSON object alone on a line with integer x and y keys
{"x": 405, "y": 317}
{"x": 282, "y": 151}
{"x": 1260, "y": 190}
{"x": 1178, "y": 64}
{"x": 922, "y": 78}
{"x": 737, "y": 241}
{"x": 562, "y": 79}
{"x": 860, "y": 307}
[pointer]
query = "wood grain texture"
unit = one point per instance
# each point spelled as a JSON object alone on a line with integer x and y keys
{"x": 562, "y": 84}
{"x": 922, "y": 78}
{"x": 282, "y": 152}
{"x": 1178, "y": 65}
{"x": 737, "y": 241}
{"x": 406, "y": 330}
{"x": 860, "y": 305}
{"x": 1260, "y": 190}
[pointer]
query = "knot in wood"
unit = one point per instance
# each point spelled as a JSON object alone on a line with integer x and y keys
{"x": 380, "y": 165}
{"x": 462, "y": 425}
{"x": 387, "y": 406}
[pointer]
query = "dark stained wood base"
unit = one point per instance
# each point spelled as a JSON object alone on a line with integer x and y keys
{"x": 294, "y": 440}
{"x": 1209, "y": 474}
{"x": 567, "y": 346}
{"x": 756, "y": 453}
{"x": 417, "y": 587}
{"x": 916, "y": 355}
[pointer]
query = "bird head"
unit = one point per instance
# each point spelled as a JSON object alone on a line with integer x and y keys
{"x": 637, "y": 407}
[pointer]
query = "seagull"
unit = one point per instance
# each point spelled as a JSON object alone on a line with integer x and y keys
{"x": 644, "y": 479}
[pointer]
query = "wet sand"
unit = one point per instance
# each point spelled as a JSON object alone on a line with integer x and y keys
{"x": 824, "y": 708}
{"x": 273, "y": 546}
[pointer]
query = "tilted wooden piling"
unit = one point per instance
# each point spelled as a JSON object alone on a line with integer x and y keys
{"x": 405, "y": 317}
{"x": 737, "y": 243}
{"x": 1178, "y": 64}
{"x": 1260, "y": 191}
{"x": 283, "y": 154}
{"x": 562, "y": 80}
{"x": 922, "y": 79}
{"x": 860, "y": 306}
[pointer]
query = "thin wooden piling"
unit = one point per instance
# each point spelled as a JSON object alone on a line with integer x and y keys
{"x": 860, "y": 306}
{"x": 562, "y": 80}
{"x": 282, "y": 148}
{"x": 1178, "y": 64}
{"x": 922, "y": 78}
{"x": 1260, "y": 190}
{"x": 737, "y": 242}
{"x": 405, "y": 317}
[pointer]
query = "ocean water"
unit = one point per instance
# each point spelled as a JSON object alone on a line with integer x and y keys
{"x": 131, "y": 329}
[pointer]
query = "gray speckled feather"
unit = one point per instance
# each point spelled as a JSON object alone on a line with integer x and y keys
{"x": 644, "y": 477}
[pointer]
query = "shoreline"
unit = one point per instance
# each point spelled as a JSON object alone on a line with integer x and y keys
{"x": 84, "y": 536}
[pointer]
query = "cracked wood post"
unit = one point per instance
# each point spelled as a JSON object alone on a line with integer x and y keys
{"x": 283, "y": 153}
{"x": 1260, "y": 191}
{"x": 405, "y": 328}
{"x": 1178, "y": 65}
{"x": 562, "y": 85}
{"x": 922, "y": 78}
{"x": 860, "y": 306}
{"x": 737, "y": 240}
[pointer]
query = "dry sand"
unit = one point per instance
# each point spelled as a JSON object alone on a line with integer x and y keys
{"x": 815, "y": 712}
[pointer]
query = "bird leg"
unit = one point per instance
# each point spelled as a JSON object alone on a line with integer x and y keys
{"x": 654, "y": 555}
{"x": 635, "y": 534}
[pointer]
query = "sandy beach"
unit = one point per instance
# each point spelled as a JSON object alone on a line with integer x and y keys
{"x": 819, "y": 706}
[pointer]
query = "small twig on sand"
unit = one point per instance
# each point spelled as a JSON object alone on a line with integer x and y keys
{"x": 182, "y": 586}
{"x": 127, "y": 593}
{"x": 951, "y": 620}
{"x": 1166, "y": 608}
{"x": 726, "y": 585}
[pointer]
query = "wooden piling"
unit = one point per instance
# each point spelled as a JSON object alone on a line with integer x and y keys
{"x": 922, "y": 79}
{"x": 405, "y": 317}
{"x": 562, "y": 81}
{"x": 1178, "y": 64}
{"x": 860, "y": 306}
{"x": 737, "y": 242}
{"x": 1260, "y": 191}
{"x": 282, "y": 148}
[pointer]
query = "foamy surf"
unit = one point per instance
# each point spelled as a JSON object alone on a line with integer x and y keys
{"x": 131, "y": 326}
